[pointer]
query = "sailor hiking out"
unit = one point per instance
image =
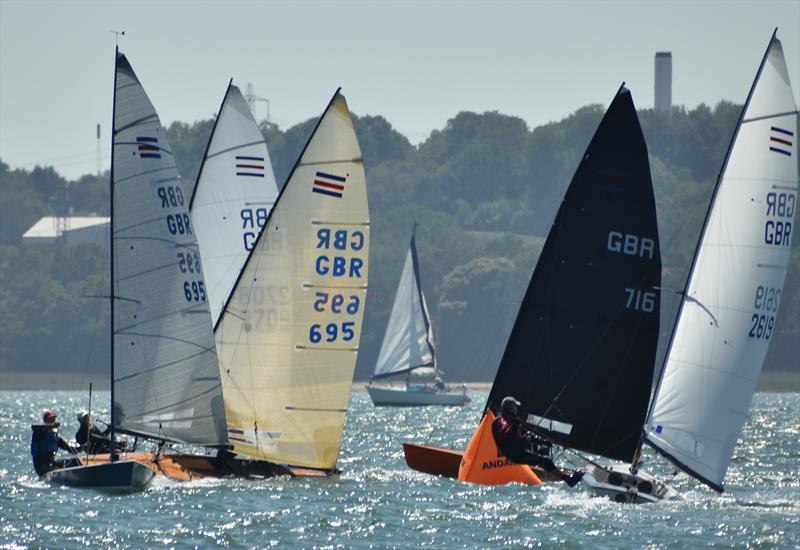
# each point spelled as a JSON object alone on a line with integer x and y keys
{"x": 522, "y": 446}
{"x": 45, "y": 443}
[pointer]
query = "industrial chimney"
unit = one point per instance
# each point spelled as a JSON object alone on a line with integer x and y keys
{"x": 663, "y": 95}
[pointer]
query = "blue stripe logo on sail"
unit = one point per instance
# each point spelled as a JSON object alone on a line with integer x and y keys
{"x": 780, "y": 141}
{"x": 329, "y": 184}
{"x": 250, "y": 166}
{"x": 148, "y": 147}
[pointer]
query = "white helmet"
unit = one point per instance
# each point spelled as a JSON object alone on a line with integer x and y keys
{"x": 81, "y": 415}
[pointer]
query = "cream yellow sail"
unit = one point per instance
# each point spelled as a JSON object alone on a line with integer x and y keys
{"x": 289, "y": 337}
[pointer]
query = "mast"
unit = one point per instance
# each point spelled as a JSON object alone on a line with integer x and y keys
{"x": 415, "y": 263}
{"x": 112, "y": 445}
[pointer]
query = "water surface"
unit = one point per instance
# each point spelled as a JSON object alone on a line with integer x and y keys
{"x": 378, "y": 502}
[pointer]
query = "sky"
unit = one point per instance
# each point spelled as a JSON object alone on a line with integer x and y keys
{"x": 417, "y": 64}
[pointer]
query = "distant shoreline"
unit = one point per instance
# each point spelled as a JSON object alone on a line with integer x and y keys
{"x": 780, "y": 382}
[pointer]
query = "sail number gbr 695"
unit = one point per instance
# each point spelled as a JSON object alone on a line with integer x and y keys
{"x": 178, "y": 223}
{"x": 339, "y": 257}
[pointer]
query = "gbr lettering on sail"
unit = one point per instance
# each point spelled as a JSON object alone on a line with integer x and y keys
{"x": 643, "y": 247}
{"x": 339, "y": 256}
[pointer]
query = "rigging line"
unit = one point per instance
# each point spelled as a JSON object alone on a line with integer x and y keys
{"x": 179, "y": 313}
{"x": 642, "y": 317}
{"x": 161, "y": 366}
{"x": 137, "y": 122}
{"x": 616, "y": 382}
{"x": 235, "y": 147}
{"x": 320, "y": 162}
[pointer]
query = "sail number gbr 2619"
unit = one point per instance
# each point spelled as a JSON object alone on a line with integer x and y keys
{"x": 766, "y": 304}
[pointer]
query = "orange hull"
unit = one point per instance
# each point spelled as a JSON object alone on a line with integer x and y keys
{"x": 186, "y": 467}
{"x": 445, "y": 462}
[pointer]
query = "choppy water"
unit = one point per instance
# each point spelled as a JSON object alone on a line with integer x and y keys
{"x": 378, "y": 502}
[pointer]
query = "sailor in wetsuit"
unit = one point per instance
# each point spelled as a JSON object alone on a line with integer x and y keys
{"x": 45, "y": 443}
{"x": 90, "y": 439}
{"x": 524, "y": 447}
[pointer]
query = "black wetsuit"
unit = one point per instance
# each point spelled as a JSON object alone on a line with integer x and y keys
{"x": 521, "y": 448}
{"x": 527, "y": 448}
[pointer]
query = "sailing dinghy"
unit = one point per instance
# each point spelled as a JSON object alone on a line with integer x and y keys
{"x": 232, "y": 197}
{"x": 580, "y": 355}
{"x": 731, "y": 299}
{"x": 408, "y": 349}
{"x": 288, "y": 335}
{"x": 165, "y": 382}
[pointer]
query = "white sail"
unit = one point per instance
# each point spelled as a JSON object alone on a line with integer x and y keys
{"x": 166, "y": 380}
{"x": 234, "y": 193}
{"x": 408, "y": 341}
{"x": 289, "y": 336}
{"x": 734, "y": 289}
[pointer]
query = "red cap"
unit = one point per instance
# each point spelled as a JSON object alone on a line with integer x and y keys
{"x": 49, "y": 417}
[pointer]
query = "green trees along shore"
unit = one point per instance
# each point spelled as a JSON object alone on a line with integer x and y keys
{"x": 484, "y": 190}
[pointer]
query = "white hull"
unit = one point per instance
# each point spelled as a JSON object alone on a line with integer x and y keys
{"x": 403, "y": 397}
{"x": 618, "y": 484}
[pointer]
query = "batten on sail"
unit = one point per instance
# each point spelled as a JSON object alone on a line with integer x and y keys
{"x": 580, "y": 355}
{"x": 408, "y": 340}
{"x": 166, "y": 382}
{"x": 734, "y": 287}
{"x": 289, "y": 335}
{"x": 234, "y": 192}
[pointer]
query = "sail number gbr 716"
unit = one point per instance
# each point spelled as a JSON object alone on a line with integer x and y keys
{"x": 338, "y": 258}
{"x": 629, "y": 244}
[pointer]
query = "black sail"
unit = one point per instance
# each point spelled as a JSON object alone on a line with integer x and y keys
{"x": 580, "y": 356}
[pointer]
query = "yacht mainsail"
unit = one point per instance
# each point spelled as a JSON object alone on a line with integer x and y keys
{"x": 232, "y": 197}
{"x": 580, "y": 356}
{"x": 734, "y": 287}
{"x": 288, "y": 337}
{"x": 165, "y": 378}
{"x": 408, "y": 341}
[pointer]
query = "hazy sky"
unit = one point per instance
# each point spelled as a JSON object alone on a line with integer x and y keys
{"x": 416, "y": 63}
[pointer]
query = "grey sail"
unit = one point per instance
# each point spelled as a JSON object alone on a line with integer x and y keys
{"x": 166, "y": 382}
{"x": 408, "y": 341}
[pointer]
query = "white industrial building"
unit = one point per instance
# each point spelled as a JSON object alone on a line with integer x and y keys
{"x": 68, "y": 230}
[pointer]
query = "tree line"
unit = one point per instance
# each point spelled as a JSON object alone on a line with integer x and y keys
{"x": 484, "y": 190}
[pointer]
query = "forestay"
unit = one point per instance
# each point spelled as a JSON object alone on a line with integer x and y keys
{"x": 234, "y": 193}
{"x": 289, "y": 336}
{"x": 734, "y": 289}
{"x": 580, "y": 356}
{"x": 166, "y": 382}
{"x": 408, "y": 341}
